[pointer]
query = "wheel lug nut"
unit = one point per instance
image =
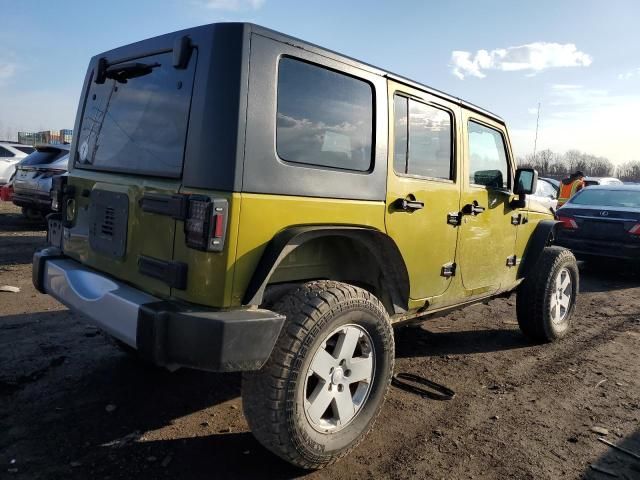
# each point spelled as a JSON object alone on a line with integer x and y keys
{"x": 347, "y": 373}
{"x": 340, "y": 387}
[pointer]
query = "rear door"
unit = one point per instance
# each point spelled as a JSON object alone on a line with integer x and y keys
{"x": 127, "y": 165}
{"x": 423, "y": 186}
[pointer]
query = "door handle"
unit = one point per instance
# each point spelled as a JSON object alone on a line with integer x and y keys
{"x": 408, "y": 204}
{"x": 472, "y": 209}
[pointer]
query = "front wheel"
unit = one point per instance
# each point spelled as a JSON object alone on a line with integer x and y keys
{"x": 546, "y": 298}
{"x": 321, "y": 390}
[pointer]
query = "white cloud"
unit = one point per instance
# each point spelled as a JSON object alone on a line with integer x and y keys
{"x": 232, "y": 5}
{"x": 630, "y": 74}
{"x": 587, "y": 119}
{"x": 533, "y": 57}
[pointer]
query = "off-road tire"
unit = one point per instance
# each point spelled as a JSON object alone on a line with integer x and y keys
{"x": 534, "y": 296}
{"x": 271, "y": 397}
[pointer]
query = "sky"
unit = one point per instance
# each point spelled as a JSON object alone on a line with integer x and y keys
{"x": 580, "y": 60}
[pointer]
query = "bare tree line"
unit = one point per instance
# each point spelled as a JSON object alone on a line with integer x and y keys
{"x": 556, "y": 165}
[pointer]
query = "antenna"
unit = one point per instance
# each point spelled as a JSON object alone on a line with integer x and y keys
{"x": 535, "y": 142}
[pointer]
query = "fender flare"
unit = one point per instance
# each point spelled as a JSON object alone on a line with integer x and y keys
{"x": 541, "y": 238}
{"x": 380, "y": 245}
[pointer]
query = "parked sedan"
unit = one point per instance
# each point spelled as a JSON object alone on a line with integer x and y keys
{"x": 32, "y": 183}
{"x": 602, "y": 221}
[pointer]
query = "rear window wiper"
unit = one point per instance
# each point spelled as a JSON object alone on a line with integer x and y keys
{"x": 124, "y": 71}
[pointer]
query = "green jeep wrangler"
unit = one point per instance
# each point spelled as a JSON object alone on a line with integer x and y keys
{"x": 240, "y": 200}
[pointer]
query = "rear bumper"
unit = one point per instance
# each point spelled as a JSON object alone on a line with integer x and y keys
{"x": 600, "y": 248}
{"x": 165, "y": 333}
{"x": 34, "y": 200}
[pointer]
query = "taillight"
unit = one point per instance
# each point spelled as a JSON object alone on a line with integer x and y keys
{"x": 635, "y": 230}
{"x": 568, "y": 223}
{"x": 206, "y": 223}
{"x": 57, "y": 191}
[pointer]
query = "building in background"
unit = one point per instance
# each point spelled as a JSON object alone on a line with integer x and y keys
{"x": 46, "y": 136}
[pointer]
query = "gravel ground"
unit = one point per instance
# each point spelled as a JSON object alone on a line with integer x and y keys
{"x": 74, "y": 406}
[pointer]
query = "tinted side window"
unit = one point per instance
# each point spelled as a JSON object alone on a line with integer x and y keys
{"x": 427, "y": 152}
{"x": 5, "y": 153}
{"x": 488, "y": 164}
{"x": 324, "y": 118}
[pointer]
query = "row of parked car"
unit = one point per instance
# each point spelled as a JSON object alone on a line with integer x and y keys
{"x": 602, "y": 221}
{"x": 26, "y": 176}
{"x": 547, "y": 191}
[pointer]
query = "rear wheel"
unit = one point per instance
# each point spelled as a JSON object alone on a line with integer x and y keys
{"x": 546, "y": 298}
{"x": 32, "y": 213}
{"x": 324, "y": 385}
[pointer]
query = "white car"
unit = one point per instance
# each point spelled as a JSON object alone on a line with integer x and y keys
{"x": 546, "y": 193}
{"x": 10, "y": 154}
{"x": 588, "y": 181}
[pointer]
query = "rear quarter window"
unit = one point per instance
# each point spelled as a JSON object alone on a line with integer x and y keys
{"x": 324, "y": 118}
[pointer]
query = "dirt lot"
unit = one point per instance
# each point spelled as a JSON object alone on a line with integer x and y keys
{"x": 73, "y": 406}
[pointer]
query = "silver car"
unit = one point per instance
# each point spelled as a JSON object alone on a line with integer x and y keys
{"x": 34, "y": 174}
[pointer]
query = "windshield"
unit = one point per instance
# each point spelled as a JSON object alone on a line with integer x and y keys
{"x": 43, "y": 156}
{"x": 608, "y": 198}
{"x": 136, "y": 121}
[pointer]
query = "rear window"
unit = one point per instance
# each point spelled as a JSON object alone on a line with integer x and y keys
{"x": 324, "y": 118}
{"x": 6, "y": 153}
{"x": 43, "y": 157}
{"x": 136, "y": 121}
{"x": 607, "y": 198}
{"x": 26, "y": 150}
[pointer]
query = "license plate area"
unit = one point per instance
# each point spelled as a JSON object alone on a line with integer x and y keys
{"x": 108, "y": 220}
{"x": 54, "y": 231}
{"x": 600, "y": 230}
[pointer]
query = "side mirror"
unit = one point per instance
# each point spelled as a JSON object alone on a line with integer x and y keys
{"x": 526, "y": 183}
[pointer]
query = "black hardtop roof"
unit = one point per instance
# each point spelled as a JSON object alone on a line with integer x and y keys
{"x": 296, "y": 42}
{"x": 344, "y": 58}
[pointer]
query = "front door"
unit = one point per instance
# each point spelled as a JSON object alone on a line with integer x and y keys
{"x": 488, "y": 231}
{"x": 423, "y": 186}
